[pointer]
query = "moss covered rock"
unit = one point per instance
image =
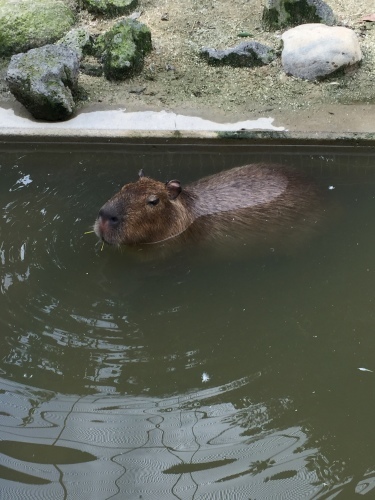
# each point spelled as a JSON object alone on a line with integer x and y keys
{"x": 245, "y": 54}
{"x": 110, "y": 7}
{"x": 78, "y": 39}
{"x": 282, "y": 13}
{"x": 26, "y": 24}
{"x": 45, "y": 80}
{"x": 122, "y": 48}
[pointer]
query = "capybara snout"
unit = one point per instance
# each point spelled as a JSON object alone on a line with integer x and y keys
{"x": 109, "y": 215}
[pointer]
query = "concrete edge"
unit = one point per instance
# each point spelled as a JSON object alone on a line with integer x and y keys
{"x": 243, "y": 137}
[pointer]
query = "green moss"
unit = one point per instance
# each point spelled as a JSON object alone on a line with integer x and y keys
{"x": 32, "y": 24}
{"x": 122, "y": 48}
{"x": 270, "y": 18}
{"x": 293, "y": 13}
{"x": 79, "y": 40}
{"x": 301, "y": 12}
{"x": 252, "y": 134}
{"x": 110, "y": 7}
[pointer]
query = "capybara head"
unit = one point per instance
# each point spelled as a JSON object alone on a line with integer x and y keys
{"x": 145, "y": 211}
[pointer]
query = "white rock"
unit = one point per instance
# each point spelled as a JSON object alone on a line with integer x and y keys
{"x": 311, "y": 51}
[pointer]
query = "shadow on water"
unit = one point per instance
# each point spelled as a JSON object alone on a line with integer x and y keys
{"x": 191, "y": 376}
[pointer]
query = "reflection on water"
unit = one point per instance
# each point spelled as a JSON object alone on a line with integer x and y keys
{"x": 244, "y": 376}
{"x": 179, "y": 447}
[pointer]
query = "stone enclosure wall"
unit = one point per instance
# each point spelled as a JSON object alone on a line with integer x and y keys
{"x": 49, "y": 49}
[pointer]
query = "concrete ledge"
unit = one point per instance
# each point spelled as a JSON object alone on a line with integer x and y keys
{"x": 162, "y": 127}
{"x": 243, "y": 138}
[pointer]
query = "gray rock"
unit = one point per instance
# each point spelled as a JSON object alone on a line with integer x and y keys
{"x": 313, "y": 51}
{"x": 122, "y": 48}
{"x": 44, "y": 81}
{"x": 281, "y": 13}
{"x": 32, "y": 23}
{"x": 244, "y": 54}
{"x": 110, "y": 7}
{"x": 79, "y": 40}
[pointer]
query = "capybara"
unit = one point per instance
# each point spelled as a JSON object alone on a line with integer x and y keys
{"x": 257, "y": 200}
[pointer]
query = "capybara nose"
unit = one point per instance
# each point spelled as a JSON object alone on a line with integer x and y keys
{"x": 109, "y": 216}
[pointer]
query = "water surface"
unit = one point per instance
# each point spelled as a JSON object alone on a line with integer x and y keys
{"x": 190, "y": 377}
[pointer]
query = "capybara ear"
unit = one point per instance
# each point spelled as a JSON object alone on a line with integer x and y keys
{"x": 173, "y": 188}
{"x": 141, "y": 173}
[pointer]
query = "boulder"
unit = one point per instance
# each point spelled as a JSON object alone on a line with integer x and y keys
{"x": 110, "y": 7}
{"x": 27, "y": 24}
{"x": 245, "y": 54}
{"x": 122, "y": 48}
{"x": 313, "y": 51}
{"x": 281, "y": 13}
{"x": 79, "y": 40}
{"x": 44, "y": 81}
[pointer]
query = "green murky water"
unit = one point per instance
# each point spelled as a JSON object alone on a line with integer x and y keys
{"x": 190, "y": 377}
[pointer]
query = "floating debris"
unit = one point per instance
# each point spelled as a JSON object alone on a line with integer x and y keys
{"x": 25, "y": 180}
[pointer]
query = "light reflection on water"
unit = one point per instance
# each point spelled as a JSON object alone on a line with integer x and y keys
{"x": 187, "y": 377}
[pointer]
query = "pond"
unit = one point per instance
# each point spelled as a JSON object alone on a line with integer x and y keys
{"x": 193, "y": 376}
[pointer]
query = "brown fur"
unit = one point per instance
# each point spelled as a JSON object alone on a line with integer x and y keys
{"x": 255, "y": 199}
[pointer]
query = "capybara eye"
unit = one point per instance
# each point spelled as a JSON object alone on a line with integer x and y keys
{"x": 153, "y": 200}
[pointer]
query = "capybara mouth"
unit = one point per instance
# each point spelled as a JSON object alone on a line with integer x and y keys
{"x": 107, "y": 224}
{"x": 101, "y": 231}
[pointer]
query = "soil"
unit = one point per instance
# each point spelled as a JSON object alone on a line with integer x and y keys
{"x": 175, "y": 78}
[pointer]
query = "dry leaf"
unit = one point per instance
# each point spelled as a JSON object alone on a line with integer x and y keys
{"x": 369, "y": 17}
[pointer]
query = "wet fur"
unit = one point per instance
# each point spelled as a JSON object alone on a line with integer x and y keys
{"x": 254, "y": 200}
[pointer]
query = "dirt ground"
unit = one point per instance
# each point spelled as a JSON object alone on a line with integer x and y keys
{"x": 175, "y": 78}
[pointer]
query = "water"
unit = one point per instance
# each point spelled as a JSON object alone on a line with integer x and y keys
{"x": 191, "y": 377}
